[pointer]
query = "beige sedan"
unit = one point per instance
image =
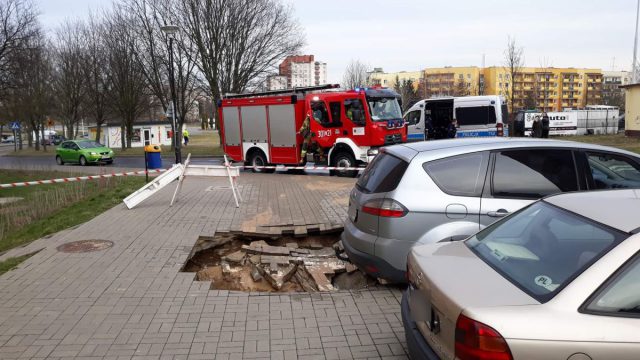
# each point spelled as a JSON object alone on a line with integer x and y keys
{"x": 559, "y": 279}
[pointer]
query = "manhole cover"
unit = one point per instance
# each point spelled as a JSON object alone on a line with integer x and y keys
{"x": 83, "y": 246}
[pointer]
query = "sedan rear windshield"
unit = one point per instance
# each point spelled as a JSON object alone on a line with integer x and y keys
{"x": 382, "y": 175}
{"x": 543, "y": 248}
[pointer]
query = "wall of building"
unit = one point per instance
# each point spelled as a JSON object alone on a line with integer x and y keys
{"x": 389, "y": 79}
{"x": 298, "y": 71}
{"x": 547, "y": 89}
{"x": 632, "y": 110}
{"x": 160, "y": 134}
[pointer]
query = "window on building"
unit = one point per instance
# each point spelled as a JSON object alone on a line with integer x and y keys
{"x": 468, "y": 76}
{"x": 461, "y": 76}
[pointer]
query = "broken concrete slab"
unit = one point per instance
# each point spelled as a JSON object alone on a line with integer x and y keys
{"x": 226, "y": 269}
{"x": 235, "y": 257}
{"x": 305, "y": 279}
{"x": 326, "y": 252}
{"x": 282, "y": 274}
{"x": 255, "y": 259}
{"x": 350, "y": 267}
{"x": 319, "y": 275}
{"x": 255, "y": 273}
{"x": 266, "y": 249}
{"x": 279, "y": 260}
{"x": 291, "y": 245}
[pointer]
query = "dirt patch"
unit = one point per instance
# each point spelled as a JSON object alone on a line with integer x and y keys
{"x": 283, "y": 264}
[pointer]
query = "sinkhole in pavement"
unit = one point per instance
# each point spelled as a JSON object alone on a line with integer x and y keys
{"x": 283, "y": 264}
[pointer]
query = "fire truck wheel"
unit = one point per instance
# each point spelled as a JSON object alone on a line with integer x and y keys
{"x": 344, "y": 159}
{"x": 257, "y": 158}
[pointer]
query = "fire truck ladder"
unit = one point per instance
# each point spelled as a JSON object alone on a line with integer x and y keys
{"x": 294, "y": 90}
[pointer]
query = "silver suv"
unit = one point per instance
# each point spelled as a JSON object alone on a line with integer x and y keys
{"x": 447, "y": 190}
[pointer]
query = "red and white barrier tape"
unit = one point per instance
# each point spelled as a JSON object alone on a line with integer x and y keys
{"x": 142, "y": 172}
{"x": 80, "y": 178}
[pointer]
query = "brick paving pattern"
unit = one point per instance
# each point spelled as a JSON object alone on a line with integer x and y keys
{"x": 132, "y": 302}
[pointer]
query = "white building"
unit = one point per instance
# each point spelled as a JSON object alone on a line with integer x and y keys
{"x": 276, "y": 82}
{"x": 144, "y": 133}
{"x": 298, "y": 71}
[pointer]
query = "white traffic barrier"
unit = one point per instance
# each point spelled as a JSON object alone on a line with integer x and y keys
{"x": 271, "y": 167}
{"x": 80, "y": 178}
{"x": 179, "y": 172}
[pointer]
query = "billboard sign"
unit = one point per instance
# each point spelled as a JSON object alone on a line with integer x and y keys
{"x": 560, "y": 123}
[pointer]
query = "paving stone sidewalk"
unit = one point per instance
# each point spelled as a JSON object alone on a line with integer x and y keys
{"x": 132, "y": 302}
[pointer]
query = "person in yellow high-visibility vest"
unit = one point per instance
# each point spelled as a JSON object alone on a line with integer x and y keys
{"x": 185, "y": 135}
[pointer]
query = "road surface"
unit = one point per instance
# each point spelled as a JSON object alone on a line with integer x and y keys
{"x": 7, "y": 161}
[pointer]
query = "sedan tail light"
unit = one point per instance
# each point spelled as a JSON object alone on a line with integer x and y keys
{"x": 500, "y": 129}
{"x": 384, "y": 208}
{"x": 477, "y": 341}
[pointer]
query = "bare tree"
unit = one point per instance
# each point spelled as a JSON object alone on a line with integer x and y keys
{"x": 513, "y": 64}
{"x": 18, "y": 25}
{"x": 69, "y": 79}
{"x": 239, "y": 41}
{"x": 153, "y": 54}
{"x": 408, "y": 92}
{"x": 95, "y": 70}
{"x": 29, "y": 98}
{"x": 128, "y": 97}
{"x": 355, "y": 75}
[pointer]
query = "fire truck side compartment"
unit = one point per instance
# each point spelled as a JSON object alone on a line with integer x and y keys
{"x": 282, "y": 127}
{"x": 254, "y": 129}
{"x": 231, "y": 126}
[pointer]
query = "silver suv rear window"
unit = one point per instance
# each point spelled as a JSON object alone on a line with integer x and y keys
{"x": 382, "y": 175}
{"x": 543, "y": 248}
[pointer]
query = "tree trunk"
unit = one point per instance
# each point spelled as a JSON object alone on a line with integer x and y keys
{"x": 122, "y": 137}
{"x": 44, "y": 143}
{"x": 98, "y": 131}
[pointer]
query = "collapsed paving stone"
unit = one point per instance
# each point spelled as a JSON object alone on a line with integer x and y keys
{"x": 284, "y": 266}
{"x": 236, "y": 257}
{"x": 255, "y": 273}
{"x": 265, "y": 249}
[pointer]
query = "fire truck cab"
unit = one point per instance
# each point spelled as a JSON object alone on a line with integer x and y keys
{"x": 347, "y": 126}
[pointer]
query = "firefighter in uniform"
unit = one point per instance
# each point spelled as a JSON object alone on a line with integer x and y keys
{"x": 305, "y": 132}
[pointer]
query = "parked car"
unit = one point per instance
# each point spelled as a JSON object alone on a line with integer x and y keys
{"x": 83, "y": 152}
{"x": 429, "y": 192}
{"x": 8, "y": 140}
{"x": 556, "y": 280}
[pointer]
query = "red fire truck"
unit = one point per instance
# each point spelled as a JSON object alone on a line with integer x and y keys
{"x": 347, "y": 126}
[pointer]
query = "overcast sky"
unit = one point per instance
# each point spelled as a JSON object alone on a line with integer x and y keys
{"x": 413, "y": 34}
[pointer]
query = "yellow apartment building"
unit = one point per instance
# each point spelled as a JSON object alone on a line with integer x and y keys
{"x": 379, "y": 77}
{"x": 545, "y": 89}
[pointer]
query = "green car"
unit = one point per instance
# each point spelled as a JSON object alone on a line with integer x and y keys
{"x": 83, "y": 152}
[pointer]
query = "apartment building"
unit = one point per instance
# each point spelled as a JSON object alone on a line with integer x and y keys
{"x": 378, "y": 77}
{"x": 612, "y": 91}
{"x": 546, "y": 89}
{"x": 298, "y": 71}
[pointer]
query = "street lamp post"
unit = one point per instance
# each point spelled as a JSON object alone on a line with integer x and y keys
{"x": 171, "y": 30}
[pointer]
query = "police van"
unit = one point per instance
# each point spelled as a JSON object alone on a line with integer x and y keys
{"x": 475, "y": 116}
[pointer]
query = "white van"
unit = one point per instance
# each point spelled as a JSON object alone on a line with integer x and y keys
{"x": 475, "y": 115}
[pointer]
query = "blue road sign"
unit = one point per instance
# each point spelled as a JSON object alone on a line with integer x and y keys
{"x": 15, "y": 125}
